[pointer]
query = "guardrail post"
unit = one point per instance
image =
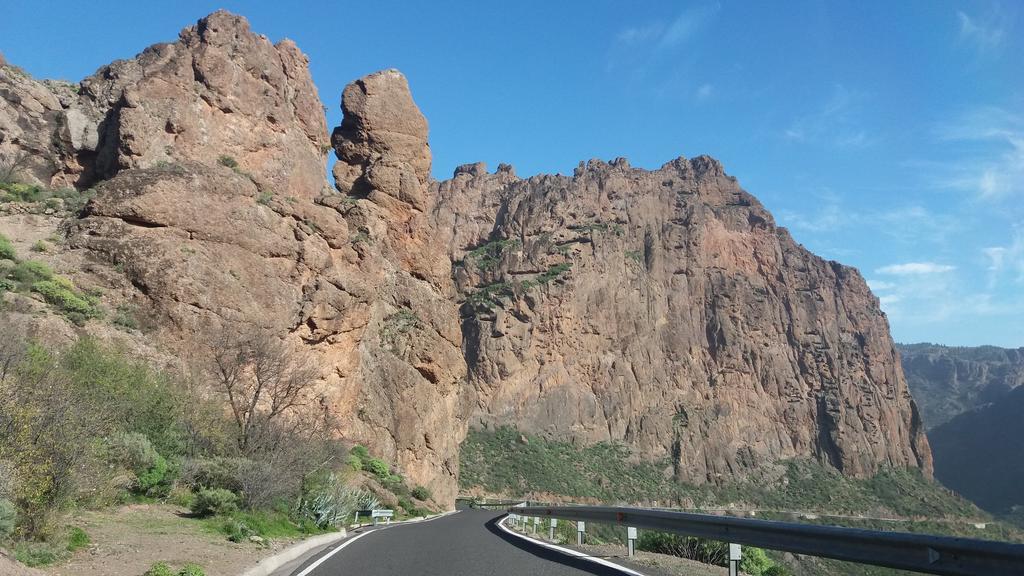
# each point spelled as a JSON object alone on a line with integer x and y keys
{"x": 735, "y": 555}
{"x": 357, "y": 518}
{"x": 536, "y": 521}
{"x": 631, "y": 540}
{"x": 581, "y": 530}
{"x": 551, "y": 529}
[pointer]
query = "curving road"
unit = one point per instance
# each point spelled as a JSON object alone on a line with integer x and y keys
{"x": 463, "y": 544}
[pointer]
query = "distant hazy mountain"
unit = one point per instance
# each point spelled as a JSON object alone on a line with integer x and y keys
{"x": 947, "y": 381}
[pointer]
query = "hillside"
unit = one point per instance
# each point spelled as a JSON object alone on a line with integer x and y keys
{"x": 979, "y": 453}
{"x": 947, "y": 381}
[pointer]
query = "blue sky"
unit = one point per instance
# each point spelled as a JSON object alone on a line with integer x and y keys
{"x": 886, "y": 135}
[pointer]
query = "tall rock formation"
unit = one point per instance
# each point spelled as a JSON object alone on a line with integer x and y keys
{"x": 212, "y": 205}
{"x": 666, "y": 310}
{"x": 659, "y": 308}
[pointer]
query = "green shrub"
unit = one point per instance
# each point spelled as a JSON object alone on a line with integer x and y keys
{"x": 191, "y": 570}
{"x": 236, "y": 530}
{"x": 354, "y": 462}
{"x": 264, "y": 198}
{"x": 77, "y": 539}
{"x": 421, "y": 493}
{"x": 214, "y": 501}
{"x": 60, "y": 293}
{"x": 755, "y": 562}
{"x": 29, "y": 271}
{"x": 360, "y": 451}
{"x": 125, "y": 318}
{"x": 377, "y": 467}
{"x": 159, "y": 569}
{"x": 39, "y": 246}
{"x": 777, "y": 570}
{"x": 8, "y": 519}
{"x": 6, "y": 249}
{"x": 215, "y": 472}
{"x": 136, "y": 452}
{"x": 228, "y": 161}
{"x": 33, "y": 554}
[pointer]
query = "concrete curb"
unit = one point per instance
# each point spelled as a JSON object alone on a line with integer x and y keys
{"x": 267, "y": 566}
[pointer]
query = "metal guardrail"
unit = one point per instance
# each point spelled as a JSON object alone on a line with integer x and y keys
{"x": 902, "y": 550}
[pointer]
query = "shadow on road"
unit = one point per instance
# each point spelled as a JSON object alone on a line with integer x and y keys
{"x": 580, "y": 564}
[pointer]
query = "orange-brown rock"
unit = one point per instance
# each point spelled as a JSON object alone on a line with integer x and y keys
{"x": 665, "y": 309}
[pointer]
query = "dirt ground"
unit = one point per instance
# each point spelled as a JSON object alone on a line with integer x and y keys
{"x": 126, "y": 541}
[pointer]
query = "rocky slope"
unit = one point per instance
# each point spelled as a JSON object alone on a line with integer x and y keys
{"x": 947, "y": 381}
{"x": 660, "y": 308}
{"x": 979, "y": 453}
{"x": 665, "y": 309}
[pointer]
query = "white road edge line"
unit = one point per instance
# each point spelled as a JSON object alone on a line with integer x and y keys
{"x": 309, "y": 569}
{"x": 567, "y": 551}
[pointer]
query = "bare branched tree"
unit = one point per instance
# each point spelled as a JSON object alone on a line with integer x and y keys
{"x": 269, "y": 387}
{"x": 10, "y": 167}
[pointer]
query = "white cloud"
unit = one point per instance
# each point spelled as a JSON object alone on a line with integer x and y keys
{"x": 1008, "y": 259}
{"x": 838, "y": 121}
{"x": 997, "y": 171}
{"x": 880, "y": 285}
{"x": 889, "y": 300}
{"x": 986, "y": 34}
{"x": 668, "y": 35}
{"x": 915, "y": 269}
{"x": 705, "y": 91}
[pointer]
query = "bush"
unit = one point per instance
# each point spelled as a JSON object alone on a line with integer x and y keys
{"x": 61, "y": 293}
{"x": 39, "y": 246}
{"x": 755, "y": 562}
{"x": 136, "y": 452}
{"x": 77, "y": 539}
{"x": 6, "y": 249}
{"x": 214, "y": 501}
{"x": 191, "y": 570}
{"x": 421, "y": 493}
{"x": 159, "y": 569}
{"x": 228, "y": 161}
{"x": 377, "y": 467}
{"x": 777, "y": 570}
{"x": 29, "y": 271}
{"x": 236, "y": 530}
{"x": 8, "y": 519}
{"x": 354, "y": 462}
{"x": 35, "y": 554}
{"x": 216, "y": 472}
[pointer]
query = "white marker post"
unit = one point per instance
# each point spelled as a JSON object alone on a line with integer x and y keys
{"x": 551, "y": 529}
{"x": 631, "y": 540}
{"x": 581, "y": 529}
{"x": 735, "y": 555}
{"x": 536, "y": 521}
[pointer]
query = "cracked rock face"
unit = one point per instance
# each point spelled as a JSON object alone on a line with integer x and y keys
{"x": 666, "y": 310}
{"x": 351, "y": 275}
{"x": 659, "y": 308}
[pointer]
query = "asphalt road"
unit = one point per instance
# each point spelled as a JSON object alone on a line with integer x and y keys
{"x": 463, "y": 544}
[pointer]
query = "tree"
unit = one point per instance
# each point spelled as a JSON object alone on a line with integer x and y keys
{"x": 269, "y": 388}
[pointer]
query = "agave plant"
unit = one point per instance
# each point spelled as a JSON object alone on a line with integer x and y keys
{"x": 330, "y": 503}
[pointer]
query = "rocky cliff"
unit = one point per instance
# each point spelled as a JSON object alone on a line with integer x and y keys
{"x": 212, "y": 210}
{"x": 947, "y": 381}
{"x": 665, "y": 309}
{"x": 659, "y": 308}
